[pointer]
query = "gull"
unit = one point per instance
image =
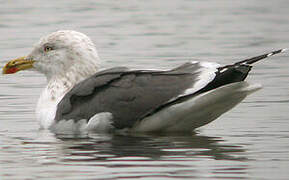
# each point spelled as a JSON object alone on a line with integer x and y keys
{"x": 81, "y": 96}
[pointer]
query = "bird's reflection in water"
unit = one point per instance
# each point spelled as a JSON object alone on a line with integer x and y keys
{"x": 152, "y": 146}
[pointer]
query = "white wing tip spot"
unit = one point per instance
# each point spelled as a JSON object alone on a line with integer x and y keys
{"x": 223, "y": 70}
{"x": 194, "y": 62}
{"x": 285, "y": 49}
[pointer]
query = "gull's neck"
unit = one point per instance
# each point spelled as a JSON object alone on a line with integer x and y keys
{"x": 57, "y": 86}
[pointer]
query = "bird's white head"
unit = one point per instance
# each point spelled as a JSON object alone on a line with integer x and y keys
{"x": 60, "y": 53}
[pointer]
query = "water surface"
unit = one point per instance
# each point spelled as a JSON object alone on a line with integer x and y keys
{"x": 249, "y": 142}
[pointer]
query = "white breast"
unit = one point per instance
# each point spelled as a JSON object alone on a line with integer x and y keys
{"x": 46, "y": 108}
{"x": 56, "y": 88}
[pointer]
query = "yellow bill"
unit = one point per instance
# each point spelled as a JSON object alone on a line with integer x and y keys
{"x": 16, "y": 65}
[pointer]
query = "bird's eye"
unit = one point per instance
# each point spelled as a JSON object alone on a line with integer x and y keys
{"x": 48, "y": 48}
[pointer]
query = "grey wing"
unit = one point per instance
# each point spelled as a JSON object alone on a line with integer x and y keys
{"x": 131, "y": 95}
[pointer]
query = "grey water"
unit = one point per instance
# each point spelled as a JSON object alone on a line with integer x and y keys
{"x": 249, "y": 142}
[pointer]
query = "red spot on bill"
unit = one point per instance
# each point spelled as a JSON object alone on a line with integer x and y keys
{"x": 11, "y": 70}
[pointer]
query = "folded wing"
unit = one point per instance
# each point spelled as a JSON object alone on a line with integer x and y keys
{"x": 132, "y": 95}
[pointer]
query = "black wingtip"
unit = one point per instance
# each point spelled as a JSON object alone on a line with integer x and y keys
{"x": 258, "y": 58}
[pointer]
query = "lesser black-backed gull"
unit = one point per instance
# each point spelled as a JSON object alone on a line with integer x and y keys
{"x": 79, "y": 97}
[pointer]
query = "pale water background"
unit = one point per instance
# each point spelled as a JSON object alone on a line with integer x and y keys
{"x": 249, "y": 142}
